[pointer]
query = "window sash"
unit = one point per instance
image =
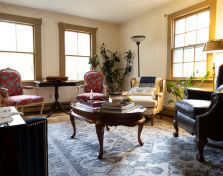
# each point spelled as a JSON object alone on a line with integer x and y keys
{"x": 187, "y": 46}
{"x": 77, "y": 55}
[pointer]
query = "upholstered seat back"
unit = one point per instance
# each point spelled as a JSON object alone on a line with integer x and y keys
{"x": 93, "y": 80}
{"x": 158, "y": 84}
{"x": 11, "y": 80}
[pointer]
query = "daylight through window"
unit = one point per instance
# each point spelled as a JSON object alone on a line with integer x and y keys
{"x": 16, "y": 48}
{"x": 77, "y": 54}
{"x": 190, "y": 33}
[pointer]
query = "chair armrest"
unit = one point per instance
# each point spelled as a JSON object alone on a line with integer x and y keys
{"x": 210, "y": 123}
{"x": 157, "y": 96}
{"x": 105, "y": 90}
{"x": 31, "y": 88}
{"x": 27, "y": 87}
{"x": 6, "y": 94}
{"x": 78, "y": 88}
{"x": 199, "y": 94}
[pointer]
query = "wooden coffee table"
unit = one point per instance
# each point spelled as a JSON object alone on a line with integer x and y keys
{"x": 102, "y": 119}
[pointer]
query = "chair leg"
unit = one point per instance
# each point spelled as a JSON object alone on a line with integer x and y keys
{"x": 41, "y": 110}
{"x": 161, "y": 114}
{"x": 152, "y": 119}
{"x": 200, "y": 143}
{"x": 22, "y": 109}
{"x": 175, "y": 124}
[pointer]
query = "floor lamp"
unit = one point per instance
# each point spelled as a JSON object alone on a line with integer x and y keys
{"x": 138, "y": 39}
{"x": 213, "y": 46}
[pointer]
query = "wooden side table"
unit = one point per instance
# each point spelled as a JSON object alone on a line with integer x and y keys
{"x": 8, "y": 150}
{"x": 56, "y": 95}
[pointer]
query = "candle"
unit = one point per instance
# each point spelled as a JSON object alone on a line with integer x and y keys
{"x": 77, "y": 75}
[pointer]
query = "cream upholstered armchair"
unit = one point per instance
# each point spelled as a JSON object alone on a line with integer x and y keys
{"x": 153, "y": 102}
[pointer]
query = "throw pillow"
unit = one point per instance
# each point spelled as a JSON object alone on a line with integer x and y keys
{"x": 148, "y": 91}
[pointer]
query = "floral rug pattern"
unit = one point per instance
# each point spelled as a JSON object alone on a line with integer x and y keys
{"x": 161, "y": 154}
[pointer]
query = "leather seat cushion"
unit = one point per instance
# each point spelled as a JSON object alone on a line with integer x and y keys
{"x": 145, "y": 101}
{"x": 192, "y": 107}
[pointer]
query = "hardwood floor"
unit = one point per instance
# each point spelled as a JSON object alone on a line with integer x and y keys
{"x": 59, "y": 116}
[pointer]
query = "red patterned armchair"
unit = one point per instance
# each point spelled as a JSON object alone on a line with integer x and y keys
{"x": 93, "y": 80}
{"x": 11, "y": 91}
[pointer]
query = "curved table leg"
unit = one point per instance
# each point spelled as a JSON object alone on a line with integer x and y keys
{"x": 107, "y": 128}
{"x": 140, "y": 127}
{"x": 48, "y": 111}
{"x": 74, "y": 126}
{"x": 100, "y": 133}
{"x": 52, "y": 109}
{"x": 61, "y": 108}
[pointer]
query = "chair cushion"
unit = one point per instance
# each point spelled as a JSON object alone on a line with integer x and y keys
{"x": 145, "y": 101}
{"x": 191, "y": 107}
{"x": 22, "y": 100}
{"x": 86, "y": 96}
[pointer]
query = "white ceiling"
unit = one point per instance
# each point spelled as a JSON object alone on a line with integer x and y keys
{"x": 112, "y": 11}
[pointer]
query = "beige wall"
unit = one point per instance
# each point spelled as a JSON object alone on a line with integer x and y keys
{"x": 107, "y": 33}
{"x": 153, "y": 52}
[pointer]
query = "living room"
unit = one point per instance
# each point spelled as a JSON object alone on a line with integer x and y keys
{"x": 114, "y": 23}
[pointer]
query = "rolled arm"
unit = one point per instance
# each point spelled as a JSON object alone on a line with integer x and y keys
{"x": 199, "y": 94}
{"x": 210, "y": 123}
{"x": 157, "y": 97}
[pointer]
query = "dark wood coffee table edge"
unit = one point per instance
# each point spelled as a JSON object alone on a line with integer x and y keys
{"x": 100, "y": 120}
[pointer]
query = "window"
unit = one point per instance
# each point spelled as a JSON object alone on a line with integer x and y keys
{"x": 77, "y": 54}
{"x": 20, "y": 45}
{"x": 191, "y": 32}
{"x": 77, "y": 44}
{"x": 188, "y": 30}
{"x": 16, "y": 48}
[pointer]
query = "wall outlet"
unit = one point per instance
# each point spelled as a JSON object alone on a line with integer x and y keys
{"x": 50, "y": 96}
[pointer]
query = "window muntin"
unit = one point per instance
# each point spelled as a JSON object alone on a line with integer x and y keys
{"x": 77, "y": 54}
{"x": 190, "y": 34}
{"x": 16, "y": 48}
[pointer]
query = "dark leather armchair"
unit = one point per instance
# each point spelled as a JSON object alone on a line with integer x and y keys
{"x": 201, "y": 114}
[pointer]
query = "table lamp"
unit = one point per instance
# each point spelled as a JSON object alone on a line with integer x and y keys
{"x": 138, "y": 39}
{"x": 213, "y": 46}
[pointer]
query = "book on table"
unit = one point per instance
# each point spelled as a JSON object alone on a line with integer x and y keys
{"x": 119, "y": 110}
{"x": 119, "y": 98}
{"x": 118, "y": 106}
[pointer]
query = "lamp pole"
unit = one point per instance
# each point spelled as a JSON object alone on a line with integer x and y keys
{"x": 138, "y": 39}
{"x": 138, "y": 59}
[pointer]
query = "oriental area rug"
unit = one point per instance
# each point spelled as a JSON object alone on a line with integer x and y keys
{"x": 161, "y": 154}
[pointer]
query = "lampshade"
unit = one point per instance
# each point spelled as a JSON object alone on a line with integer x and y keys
{"x": 212, "y": 46}
{"x": 138, "y": 38}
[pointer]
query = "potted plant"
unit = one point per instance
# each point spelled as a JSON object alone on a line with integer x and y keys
{"x": 94, "y": 62}
{"x": 177, "y": 89}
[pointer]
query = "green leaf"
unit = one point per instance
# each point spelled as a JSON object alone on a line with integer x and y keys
{"x": 170, "y": 101}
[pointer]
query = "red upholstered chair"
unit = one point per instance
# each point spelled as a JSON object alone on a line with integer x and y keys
{"x": 93, "y": 80}
{"x": 11, "y": 91}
